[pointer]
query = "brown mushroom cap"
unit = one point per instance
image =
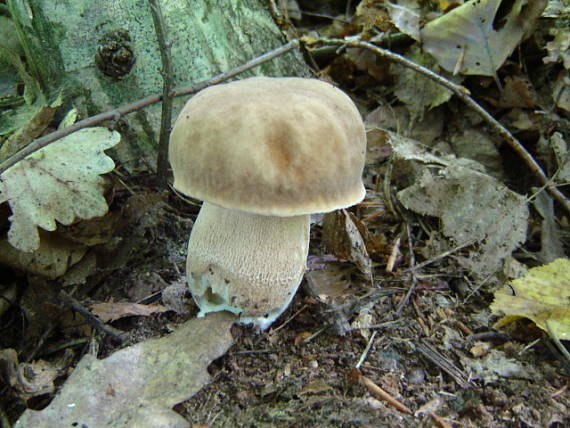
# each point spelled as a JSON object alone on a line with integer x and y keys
{"x": 270, "y": 146}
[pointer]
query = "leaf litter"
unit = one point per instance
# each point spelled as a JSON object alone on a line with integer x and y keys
{"x": 299, "y": 372}
{"x": 161, "y": 373}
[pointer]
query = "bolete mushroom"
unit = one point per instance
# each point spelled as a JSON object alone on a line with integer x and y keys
{"x": 263, "y": 154}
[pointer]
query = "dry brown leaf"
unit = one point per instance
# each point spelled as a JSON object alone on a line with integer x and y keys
{"x": 28, "y": 379}
{"x": 301, "y": 337}
{"x": 115, "y": 310}
{"x": 315, "y": 386}
{"x": 343, "y": 239}
{"x": 328, "y": 283}
{"x": 51, "y": 260}
{"x": 517, "y": 92}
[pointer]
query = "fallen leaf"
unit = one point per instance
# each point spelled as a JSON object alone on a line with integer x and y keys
{"x": 406, "y": 17}
{"x": 418, "y": 92}
{"x": 559, "y": 146}
{"x": 28, "y": 379}
{"x": 551, "y": 237}
{"x": 559, "y": 48}
{"x": 95, "y": 231}
{"x": 343, "y": 239}
{"x": 542, "y": 295}
{"x": 496, "y": 364}
{"x": 138, "y": 385}
{"x": 475, "y": 39}
{"x": 485, "y": 152}
{"x": 78, "y": 273}
{"x": 473, "y": 207}
{"x": 112, "y": 311}
{"x": 372, "y": 17}
{"x": 177, "y": 297}
{"x": 29, "y": 131}
{"x": 52, "y": 259}
{"x": 315, "y": 386}
{"x": 60, "y": 183}
{"x": 561, "y": 92}
{"x": 329, "y": 282}
{"x": 398, "y": 119}
{"x": 517, "y": 92}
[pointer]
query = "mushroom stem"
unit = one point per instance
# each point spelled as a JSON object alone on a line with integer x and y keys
{"x": 246, "y": 263}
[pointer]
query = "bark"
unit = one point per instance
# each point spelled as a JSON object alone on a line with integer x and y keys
{"x": 86, "y": 48}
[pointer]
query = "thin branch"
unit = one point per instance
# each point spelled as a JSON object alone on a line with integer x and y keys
{"x": 443, "y": 363}
{"x": 167, "y": 92}
{"x": 92, "y": 319}
{"x": 366, "y": 351}
{"x": 412, "y": 288}
{"x": 137, "y": 105}
{"x": 383, "y": 395}
{"x": 438, "y": 257}
{"x": 463, "y": 94}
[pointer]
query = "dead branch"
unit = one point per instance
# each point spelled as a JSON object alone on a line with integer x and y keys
{"x": 413, "y": 276}
{"x": 443, "y": 363}
{"x": 92, "y": 319}
{"x": 167, "y": 93}
{"x": 379, "y": 392}
{"x": 463, "y": 94}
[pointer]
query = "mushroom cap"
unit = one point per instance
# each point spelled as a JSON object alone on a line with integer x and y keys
{"x": 271, "y": 146}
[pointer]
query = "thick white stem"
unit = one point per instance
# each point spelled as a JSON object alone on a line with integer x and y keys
{"x": 246, "y": 263}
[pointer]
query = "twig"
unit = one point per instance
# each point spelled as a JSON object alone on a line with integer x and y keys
{"x": 96, "y": 322}
{"x": 395, "y": 250}
{"x": 478, "y": 286}
{"x": 438, "y": 257}
{"x": 312, "y": 336}
{"x": 463, "y": 94}
{"x": 167, "y": 93}
{"x": 260, "y": 351}
{"x": 137, "y": 105}
{"x": 487, "y": 336}
{"x": 379, "y": 392}
{"x": 69, "y": 344}
{"x": 412, "y": 288}
{"x": 439, "y": 421}
{"x": 289, "y": 319}
{"x": 563, "y": 351}
{"x": 366, "y": 351}
{"x": 443, "y": 363}
{"x": 386, "y": 324}
{"x": 45, "y": 334}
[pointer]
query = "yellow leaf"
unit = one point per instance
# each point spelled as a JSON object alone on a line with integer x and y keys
{"x": 542, "y": 295}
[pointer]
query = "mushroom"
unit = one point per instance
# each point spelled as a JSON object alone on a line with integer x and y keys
{"x": 263, "y": 154}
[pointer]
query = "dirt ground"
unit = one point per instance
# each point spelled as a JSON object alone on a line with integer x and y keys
{"x": 438, "y": 357}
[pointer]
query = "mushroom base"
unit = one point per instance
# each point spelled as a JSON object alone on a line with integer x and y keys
{"x": 246, "y": 263}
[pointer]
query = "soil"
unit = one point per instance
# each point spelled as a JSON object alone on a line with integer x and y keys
{"x": 301, "y": 372}
{"x": 431, "y": 349}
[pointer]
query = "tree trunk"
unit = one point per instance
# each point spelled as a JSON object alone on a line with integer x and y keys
{"x": 104, "y": 54}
